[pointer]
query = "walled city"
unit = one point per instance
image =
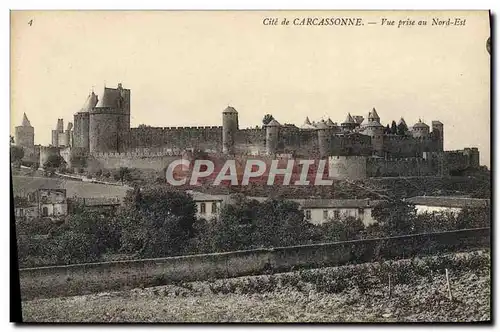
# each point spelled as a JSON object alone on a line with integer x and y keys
{"x": 100, "y": 136}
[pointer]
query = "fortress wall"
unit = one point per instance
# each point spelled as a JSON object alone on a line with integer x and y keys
{"x": 31, "y": 154}
{"x": 347, "y": 167}
{"x": 407, "y": 146}
{"x": 376, "y": 167}
{"x": 350, "y": 145}
{"x": 250, "y": 141}
{"x": 177, "y": 137}
{"x": 459, "y": 160}
{"x": 143, "y": 160}
{"x": 298, "y": 142}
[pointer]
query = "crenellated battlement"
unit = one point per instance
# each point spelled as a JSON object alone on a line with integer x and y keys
{"x": 139, "y": 153}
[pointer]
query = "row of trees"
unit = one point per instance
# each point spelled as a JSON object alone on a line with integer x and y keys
{"x": 156, "y": 222}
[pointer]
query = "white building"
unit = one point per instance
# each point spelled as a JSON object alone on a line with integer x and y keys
{"x": 317, "y": 211}
{"x": 446, "y": 204}
{"x": 208, "y": 206}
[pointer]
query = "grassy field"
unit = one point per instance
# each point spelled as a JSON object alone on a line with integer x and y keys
{"x": 24, "y": 184}
{"x": 353, "y": 293}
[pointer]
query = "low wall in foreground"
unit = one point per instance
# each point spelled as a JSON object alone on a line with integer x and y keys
{"x": 53, "y": 281}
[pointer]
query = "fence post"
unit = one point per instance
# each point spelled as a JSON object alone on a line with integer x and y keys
{"x": 450, "y": 296}
{"x": 390, "y": 286}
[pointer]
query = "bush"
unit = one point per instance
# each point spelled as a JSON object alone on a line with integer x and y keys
{"x": 156, "y": 222}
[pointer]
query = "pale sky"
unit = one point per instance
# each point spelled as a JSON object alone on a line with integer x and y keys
{"x": 184, "y": 68}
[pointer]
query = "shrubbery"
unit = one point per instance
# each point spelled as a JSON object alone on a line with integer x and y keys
{"x": 156, "y": 222}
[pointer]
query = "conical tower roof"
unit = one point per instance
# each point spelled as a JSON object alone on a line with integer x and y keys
{"x": 349, "y": 119}
{"x": 273, "y": 123}
{"x": 26, "y": 122}
{"x": 401, "y": 121}
{"x": 230, "y": 109}
{"x": 307, "y": 121}
{"x": 90, "y": 102}
{"x": 374, "y": 113}
{"x": 330, "y": 123}
{"x": 321, "y": 125}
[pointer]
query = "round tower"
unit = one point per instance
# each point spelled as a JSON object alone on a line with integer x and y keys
{"x": 349, "y": 123}
{"x": 229, "y": 129}
{"x": 420, "y": 129}
{"x": 376, "y": 132}
{"x": 272, "y": 137}
{"x": 324, "y": 135}
{"x": 109, "y": 120}
{"x": 82, "y": 122}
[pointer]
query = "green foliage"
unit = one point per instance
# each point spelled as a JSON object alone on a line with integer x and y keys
{"x": 53, "y": 161}
{"x": 402, "y": 129}
{"x": 341, "y": 230}
{"x": 394, "y": 128}
{"x": 16, "y": 154}
{"x": 122, "y": 174}
{"x": 20, "y": 202}
{"x": 85, "y": 237}
{"x": 267, "y": 118}
{"x": 395, "y": 217}
{"x": 249, "y": 224}
{"x": 156, "y": 222}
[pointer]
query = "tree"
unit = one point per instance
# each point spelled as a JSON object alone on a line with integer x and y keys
{"x": 54, "y": 161}
{"x": 387, "y": 130}
{"x": 85, "y": 236}
{"x": 402, "y": 129}
{"x": 394, "y": 128}
{"x": 156, "y": 222}
{"x": 248, "y": 224}
{"x": 16, "y": 154}
{"x": 395, "y": 217}
{"x": 267, "y": 118}
{"x": 342, "y": 230}
{"x": 11, "y": 139}
{"x": 123, "y": 174}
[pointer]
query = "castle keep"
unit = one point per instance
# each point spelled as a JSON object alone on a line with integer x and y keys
{"x": 355, "y": 148}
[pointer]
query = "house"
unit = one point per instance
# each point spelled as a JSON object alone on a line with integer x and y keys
{"x": 208, "y": 206}
{"x": 317, "y": 211}
{"x": 444, "y": 204}
{"x": 43, "y": 203}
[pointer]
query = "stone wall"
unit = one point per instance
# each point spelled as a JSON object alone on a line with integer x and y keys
{"x": 79, "y": 279}
{"x": 391, "y": 167}
{"x": 347, "y": 167}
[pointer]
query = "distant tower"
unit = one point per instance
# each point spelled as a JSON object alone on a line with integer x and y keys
{"x": 376, "y": 131}
{"x": 272, "y": 137}
{"x": 82, "y": 122}
{"x": 420, "y": 129}
{"x": 58, "y": 134}
{"x": 438, "y": 133}
{"x": 349, "y": 123}
{"x": 109, "y": 121}
{"x": 324, "y": 138}
{"x": 69, "y": 135}
{"x": 373, "y": 116}
{"x": 24, "y": 134}
{"x": 229, "y": 130}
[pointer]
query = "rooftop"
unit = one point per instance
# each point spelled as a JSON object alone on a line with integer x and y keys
{"x": 449, "y": 201}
